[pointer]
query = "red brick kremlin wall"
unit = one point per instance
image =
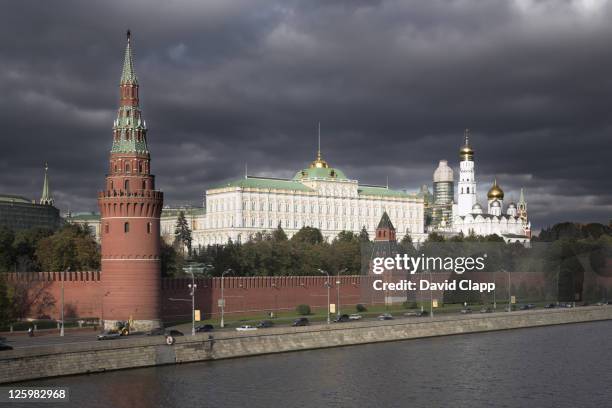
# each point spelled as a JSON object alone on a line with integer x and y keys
{"x": 83, "y": 292}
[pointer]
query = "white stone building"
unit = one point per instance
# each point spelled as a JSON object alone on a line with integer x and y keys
{"x": 468, "y": 215}
{"x": 319, "y": 196}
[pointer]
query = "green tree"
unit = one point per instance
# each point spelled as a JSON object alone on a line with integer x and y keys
{"x": 182, "y": 233}
{"x": 24, "y": 246}
{"x": 70, "y": 247}
{"x": 363, "y": 235}
{"x": 308, "y": 235}
{"x": 434, "y": 237}
{"x": 171, "y": 261}
{"x": 7, "y": 252}
{"x": 278, "y": 234}
{"x": 407, "y": 245}
{"x": 5, "y": 304}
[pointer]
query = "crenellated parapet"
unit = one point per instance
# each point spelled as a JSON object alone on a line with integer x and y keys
{"x": 70, "y": 276}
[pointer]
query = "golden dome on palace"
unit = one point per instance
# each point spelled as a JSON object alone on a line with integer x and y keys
{"x": 495, "y": 193}
{"x": 319, "y": 163}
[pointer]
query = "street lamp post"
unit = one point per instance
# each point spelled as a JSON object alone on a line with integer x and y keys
{"x": 192, "y": 287}
{"x": 223, "y": 298}
{"x": 338, "y": 289}
{"x": 326, "y": 284}
{"x": 494, "y": 289}
{"x": 430, "y": 297}
{"x": 509, "y": 295}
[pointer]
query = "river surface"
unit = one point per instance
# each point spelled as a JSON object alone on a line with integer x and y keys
{"x": 559, "y": 366}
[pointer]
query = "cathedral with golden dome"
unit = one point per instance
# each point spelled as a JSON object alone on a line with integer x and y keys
{"x": 468, "y": 215}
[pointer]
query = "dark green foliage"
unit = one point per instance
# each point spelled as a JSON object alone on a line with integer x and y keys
{"x": 172, "y": 261}
{"x": 182, "y": 233}
{"x": 361, "y": 308}
{"x": 363, "y": 235}
{"x": 308, "y": 235}
{"x": 303, "y": 310}
{"x": 71, "y": 247}
{"x": 7, "y": 252}
{"x": 272, "y": 254}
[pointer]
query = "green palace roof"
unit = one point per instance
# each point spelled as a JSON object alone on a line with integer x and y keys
{"x": 85, "y": 216}
{"x": 318, "y": 170}
{"x": 320, "y": 173}
{"x": 188, "y": 211}
{"x": 382, "y": 191}
{"x": 8, "y": 198}
{"x": 266, "y": 183}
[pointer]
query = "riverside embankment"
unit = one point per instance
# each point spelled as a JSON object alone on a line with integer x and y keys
{"x": 81, "y": 358}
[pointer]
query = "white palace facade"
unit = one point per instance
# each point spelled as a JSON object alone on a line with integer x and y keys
{"x": 319, "y": 196}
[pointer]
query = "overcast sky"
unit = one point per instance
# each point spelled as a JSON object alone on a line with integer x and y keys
{"x": 393, "y": 83}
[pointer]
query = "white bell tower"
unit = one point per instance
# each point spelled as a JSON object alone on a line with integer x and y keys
{"x": 467, "y": 180}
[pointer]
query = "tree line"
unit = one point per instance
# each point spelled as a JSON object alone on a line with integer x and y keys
{"x": 70, "y": 247}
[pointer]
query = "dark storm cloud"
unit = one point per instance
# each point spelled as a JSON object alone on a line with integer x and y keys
{"x": 393, "y": 83}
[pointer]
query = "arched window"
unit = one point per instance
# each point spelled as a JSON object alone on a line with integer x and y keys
{"x": 140, "y": 167}
{"x": 148, "y": 227}
{"x": 127, "y": 167}
{"x": 126, "y": 227}
{"x": 106, "y": 228}
{"x": 144, "y": 184}
{"x": 126, "y": 185}
{"x": 468, "y": 190}
{"x": 111, "y": 184}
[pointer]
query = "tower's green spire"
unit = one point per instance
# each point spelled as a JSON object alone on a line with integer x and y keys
{"x": 522, "y": 197}
{"x": 128, "y": 75}
{"x": 46, "y": 198}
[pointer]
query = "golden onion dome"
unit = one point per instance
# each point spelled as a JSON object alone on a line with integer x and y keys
{"x": 495, "y": 193}
{"x": 466, "y": 152}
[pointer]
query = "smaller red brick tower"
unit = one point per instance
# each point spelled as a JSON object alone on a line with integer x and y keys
{"x": 130, "y": 209}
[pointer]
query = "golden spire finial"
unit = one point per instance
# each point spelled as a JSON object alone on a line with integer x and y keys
{"x": 319, "y": 162}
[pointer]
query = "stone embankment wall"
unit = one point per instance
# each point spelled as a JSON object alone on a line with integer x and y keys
{"x": 82, "y": 358}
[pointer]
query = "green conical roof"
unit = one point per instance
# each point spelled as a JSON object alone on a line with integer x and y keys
{"x": 128, "y": 75}
{"x": 46, "y": 198}
{"x": 385, "y": 222}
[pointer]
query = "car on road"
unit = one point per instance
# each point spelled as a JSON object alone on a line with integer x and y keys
{"x": 158, "y": 331}
{"x": 204, "y": 328}
{"x": 302, "y": 321}
{"x": 355, "y": 316}
{"x": 486, "y": 310}
{"x": 174, "y": 333}
{"x": 4, "y": 346}
{"x": 385, "y": 316}
{"x": 528, "y": 306}
{"x": 342, "y": 319}
{"x": 109, "y": 335}
{"x": 246, "y": 327}
{"x": 416, "y": 313}
{"x": 467, "y": 310}
{"x": 550, "y": 306}
{"x": 264, "y": 324}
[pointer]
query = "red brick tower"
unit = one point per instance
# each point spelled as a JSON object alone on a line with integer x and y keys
{"x": 129, "y": 210}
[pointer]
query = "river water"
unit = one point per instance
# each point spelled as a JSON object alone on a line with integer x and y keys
{"x": 560, "y": 366}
